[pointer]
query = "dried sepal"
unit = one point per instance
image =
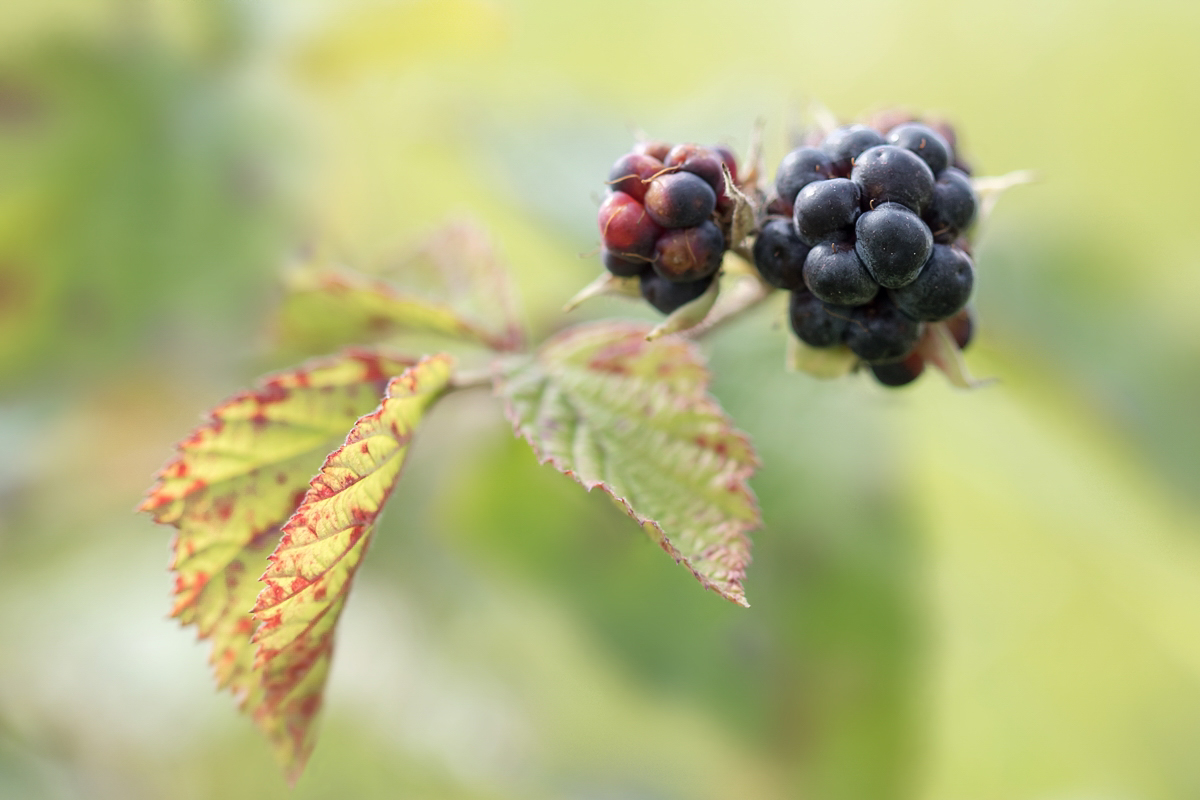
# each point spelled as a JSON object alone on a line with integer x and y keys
{"x": 605, "y": 284}
{"x": 990, "y": 188}
{"x": 937, "y": 347}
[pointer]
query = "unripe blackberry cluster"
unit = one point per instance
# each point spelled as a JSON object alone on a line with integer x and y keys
{"x": 666, "y": 219}
{"x": 866, "y": 230}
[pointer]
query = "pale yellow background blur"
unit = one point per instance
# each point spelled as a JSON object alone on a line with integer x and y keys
{"x": 957, "y": 596}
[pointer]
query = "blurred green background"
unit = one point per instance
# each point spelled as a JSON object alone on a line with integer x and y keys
{"x": 989, "y": 595}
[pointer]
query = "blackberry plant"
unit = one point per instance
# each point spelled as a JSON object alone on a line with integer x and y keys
{"x": 865, "y": 227}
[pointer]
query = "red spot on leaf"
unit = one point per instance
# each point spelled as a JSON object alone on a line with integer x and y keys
{"x": 309, "y": 706}
{"x": 281, "y": 478}
{"x": 187, "y": 589}
{"x": 272, "y": 621}
{"x": 224, "y": 507}
{"x": 298, "y": 498}
{"x": 195, "y": 438}
{"x": 319, "y": 592}
{"x": 272, "y": 595}
{"x": 378, "y": 325}
{"x": 372, "y": 369}
{"x": 616, "y": 357}
{"x": 299, "y": 583}
{"x": 244, "y": 626}
{"x": 364, "y": 449}
{"x": 273, "y": 392}
{"x": 156, "y": 501}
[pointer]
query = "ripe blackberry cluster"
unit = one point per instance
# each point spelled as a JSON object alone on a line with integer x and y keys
{"x": 866, "y": 231}
{"x": 666, "y": 219}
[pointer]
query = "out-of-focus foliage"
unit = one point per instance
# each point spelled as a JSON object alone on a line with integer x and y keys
{"x": 989, "y": 595}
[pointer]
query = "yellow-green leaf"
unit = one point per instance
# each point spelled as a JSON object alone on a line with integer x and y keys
{"x": 320, "y": 550}
{"x": 238, "y": 477}
{"x": 634, "y": 418}
{"x": 331, "y": 308}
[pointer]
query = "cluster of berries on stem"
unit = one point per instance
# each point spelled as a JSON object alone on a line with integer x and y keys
{"x": 865, "y": 226}
{"x": 666, "y": 219}
{"x": 866, "y": 229}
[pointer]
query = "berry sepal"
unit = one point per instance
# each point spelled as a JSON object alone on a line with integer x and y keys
{"x": 744, "y": 217}
{"x": 937, "y": 347}
{"x": 605, "y": 284}
{"x": 990, "y": 188}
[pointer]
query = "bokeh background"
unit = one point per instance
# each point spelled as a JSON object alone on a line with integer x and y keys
{"x": 991, "y": 595}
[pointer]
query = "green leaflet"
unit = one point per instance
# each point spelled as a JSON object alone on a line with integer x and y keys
{"x": 310, "y": 572}
{"x": 237, "y": 478}
{"x": 330, "y": 309}
{"x": 608, "y": 408}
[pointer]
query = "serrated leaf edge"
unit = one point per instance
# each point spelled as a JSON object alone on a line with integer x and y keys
{"x": 741, "y": 475}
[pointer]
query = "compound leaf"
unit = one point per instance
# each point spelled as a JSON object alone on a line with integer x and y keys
{"x": 237, "y": 478}
{"x": 632, "y": 417}
{"x": 322, "y": 545}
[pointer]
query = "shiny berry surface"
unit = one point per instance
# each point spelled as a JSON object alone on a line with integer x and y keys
{"x": 893, "y": 244}
{"x": 688, "y": 254}
{"x": 925, "y": 142}
{"x": 942, "y": 288}
{"x": 631, "y": 174}
{"x": 890, "y": 174}
{"x": 779, "y": 254}
{"x": 680, "y": 200}
{"x": 953, "y": 207}
{"x": 834, "y": 274}
{"x": 623, "y": 267}
{"x": 698, "y": 160}
{"x": 800, "y": 168}
{"x": 667, "y": 296}
{"x": 825, "y": 211}
{"x": 879, "y": 331}
{"x": 895, "y": 374}
{"x": 847, "y": 143}
{"x": 814, "y": 322}
{"x": 626, "y": 227}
